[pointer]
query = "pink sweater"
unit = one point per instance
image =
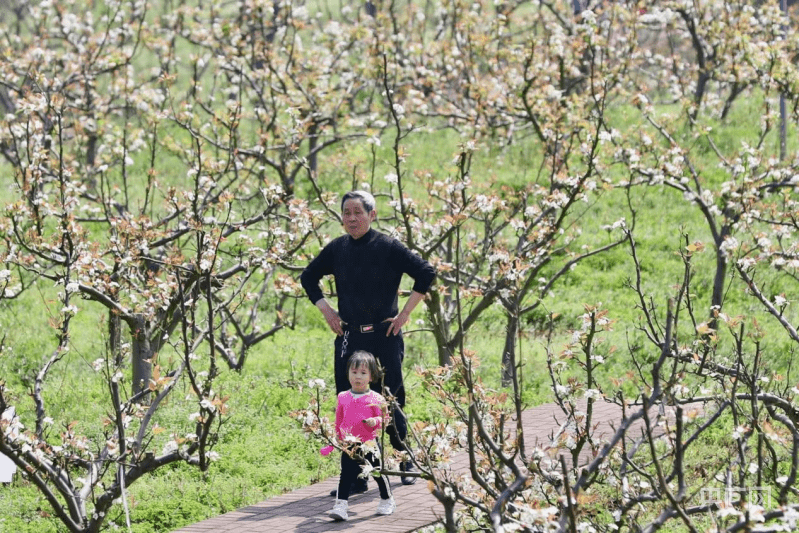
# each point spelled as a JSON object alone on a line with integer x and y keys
{"x": 351, "y": 413}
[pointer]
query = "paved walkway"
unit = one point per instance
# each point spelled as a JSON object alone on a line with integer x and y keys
{"x": 305, "y": 510}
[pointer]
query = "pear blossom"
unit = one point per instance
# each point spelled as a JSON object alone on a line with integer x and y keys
{"x": 317, "y": 383}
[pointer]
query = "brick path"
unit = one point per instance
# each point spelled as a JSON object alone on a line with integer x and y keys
{"x": 305, "y": 510}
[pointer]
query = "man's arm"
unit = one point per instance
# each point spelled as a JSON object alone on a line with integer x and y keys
{"x": 423, "y": 274}
{"x": 402, "y": 318}
{"x": 331, "y": 316}
{"x": 321, "y": 266}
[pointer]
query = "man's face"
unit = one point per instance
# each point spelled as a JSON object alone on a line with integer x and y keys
{"x": 357, "y": 220}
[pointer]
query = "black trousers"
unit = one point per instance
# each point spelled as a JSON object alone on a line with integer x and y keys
{"x": 351, "y": 468}
{"x": 389, "y": 352}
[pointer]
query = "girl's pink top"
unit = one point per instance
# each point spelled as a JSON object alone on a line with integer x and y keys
{"x": 351, "y": 411}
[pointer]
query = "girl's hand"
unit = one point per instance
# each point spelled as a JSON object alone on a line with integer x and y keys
{"x": 371, "y": 422}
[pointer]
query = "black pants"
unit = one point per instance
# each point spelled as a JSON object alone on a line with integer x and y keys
{"x": 351, "y": 468}
{"x": 389, "y": 352}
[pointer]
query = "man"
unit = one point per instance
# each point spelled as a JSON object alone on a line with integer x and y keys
{"x": 367, "y": 267}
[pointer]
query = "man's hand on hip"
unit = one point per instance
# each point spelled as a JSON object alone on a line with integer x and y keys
{"x": 396, "y": 324}
{"x": 331, "y": 316}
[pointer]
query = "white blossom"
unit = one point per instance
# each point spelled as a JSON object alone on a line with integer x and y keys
{"x": 592, "y": 393}
{"x": 746, "y": 262}
{"x": 729, "y": 244}
{"x": 317, "y": 383}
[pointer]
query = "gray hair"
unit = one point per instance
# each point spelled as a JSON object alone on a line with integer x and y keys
{"x": 367, "y": 200}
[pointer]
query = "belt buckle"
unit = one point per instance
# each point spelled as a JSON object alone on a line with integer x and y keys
{"x": 367, "y": 328}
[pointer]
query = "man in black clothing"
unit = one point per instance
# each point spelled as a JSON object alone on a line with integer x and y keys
{"x": 367, "y": 267}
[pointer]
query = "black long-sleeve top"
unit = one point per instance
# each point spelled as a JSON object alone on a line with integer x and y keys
{"x": 367, "y": 273}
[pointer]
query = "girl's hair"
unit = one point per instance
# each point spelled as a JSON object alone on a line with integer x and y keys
{"x": 364, "y": 358}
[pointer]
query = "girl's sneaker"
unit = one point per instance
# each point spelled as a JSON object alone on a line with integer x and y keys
{"x": 386, "y": 507}
{"x": 339, "y": 511}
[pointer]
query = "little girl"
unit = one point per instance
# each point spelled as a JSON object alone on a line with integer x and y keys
{"x": 360, "y": 412}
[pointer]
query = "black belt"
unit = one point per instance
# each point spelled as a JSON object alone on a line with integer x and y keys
{"x": 365, "y": 328}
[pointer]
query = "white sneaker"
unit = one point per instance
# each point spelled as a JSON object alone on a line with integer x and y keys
{"x": 386, "y": 507}
{"x": 339, "y": 511}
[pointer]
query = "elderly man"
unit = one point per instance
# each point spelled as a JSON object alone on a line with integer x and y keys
{"x": 367, "y": 267}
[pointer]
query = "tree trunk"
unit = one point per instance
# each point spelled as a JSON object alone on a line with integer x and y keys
{"x": 440, "y": 328}
{"x": 718, "y": 279}
{"x": 142, "y": 356}
{"x": 699, "y": 93}
{"x": 114, "y": 337}
{"x": 509, "y": 351}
